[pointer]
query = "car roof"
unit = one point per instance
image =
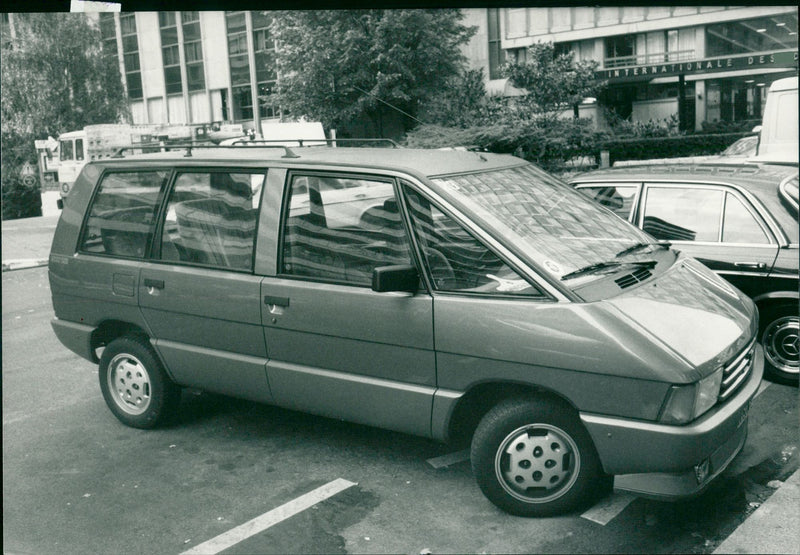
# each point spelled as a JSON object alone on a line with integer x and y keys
{"x": 425, "y": 162}
{"x": 761, "y": 179}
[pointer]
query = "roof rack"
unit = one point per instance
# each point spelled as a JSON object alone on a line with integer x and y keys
{"x": 314, "y": 142}
{"x": 189, "y": 146}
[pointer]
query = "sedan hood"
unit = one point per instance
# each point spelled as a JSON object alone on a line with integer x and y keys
{"x": 694, "y": 313}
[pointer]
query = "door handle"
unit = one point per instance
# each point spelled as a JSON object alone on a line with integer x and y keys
{"x": 276, "y": 301}
{"x": 751, "y": 265}
{"x": 154, "y": 283}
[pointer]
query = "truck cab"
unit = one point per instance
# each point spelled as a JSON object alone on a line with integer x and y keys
{"x": 72, "y": 158}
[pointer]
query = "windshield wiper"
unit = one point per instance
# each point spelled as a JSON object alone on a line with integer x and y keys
{"x": 639, "y": 246}
{"x": 603, "y": 265}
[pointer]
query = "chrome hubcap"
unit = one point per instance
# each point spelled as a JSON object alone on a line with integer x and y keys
{"x": 537, "y": 463}
{"x": 129, "y": 384}
{"x": 781, "y": 346}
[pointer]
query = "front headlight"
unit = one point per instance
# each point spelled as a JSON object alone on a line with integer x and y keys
{"x": 687, "y": 402}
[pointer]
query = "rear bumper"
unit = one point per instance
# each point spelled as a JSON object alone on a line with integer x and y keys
{"x": 659, "y": 460}
{"x": 75, "y": 337}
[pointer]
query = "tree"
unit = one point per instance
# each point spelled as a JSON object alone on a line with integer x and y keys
{"x": 530, "y": 126}
{"x": 462, "y": 102}
{"x": 55, "y": 78}
{"x": 340, "y": 65}
{"x": 552, "y": 82}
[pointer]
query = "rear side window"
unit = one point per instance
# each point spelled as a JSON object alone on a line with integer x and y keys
{"x": 677, "y": 214}
{"x": 211, "y": 219}
{"x": 619, "y": 198}
{"x": 698, "y": 214}
{"x": 122, "y": 215}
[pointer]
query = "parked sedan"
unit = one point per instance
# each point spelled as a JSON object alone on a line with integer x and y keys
{"x": 739, "y": 220}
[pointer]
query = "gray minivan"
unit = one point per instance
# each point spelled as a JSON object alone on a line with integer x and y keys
{"x": 452, "y": 295}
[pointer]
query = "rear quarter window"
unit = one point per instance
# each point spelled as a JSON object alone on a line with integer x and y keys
{"x": 122, "y": 214}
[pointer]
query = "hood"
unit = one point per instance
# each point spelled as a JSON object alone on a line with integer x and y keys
{"x": 694, "y": 313}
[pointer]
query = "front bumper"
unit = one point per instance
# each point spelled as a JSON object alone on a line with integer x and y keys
{"x": 659, "y": 460}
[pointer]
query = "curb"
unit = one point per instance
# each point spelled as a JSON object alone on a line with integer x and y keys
{"x": 23, "y": 264}
{"x": 773, "y": 527}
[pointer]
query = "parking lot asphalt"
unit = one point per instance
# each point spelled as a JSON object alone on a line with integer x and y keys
{"x": 774, "y": 527}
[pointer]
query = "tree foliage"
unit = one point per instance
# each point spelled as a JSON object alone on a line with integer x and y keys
{"x": 552, "y": 82}
{"x": 54, "y": 79}
{"x": 340, "y": 65}
{"x": 462, "y": 101}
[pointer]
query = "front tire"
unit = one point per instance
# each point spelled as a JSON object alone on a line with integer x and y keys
{"x": 134, "y": 384}
{"x": 533, "y": 457}
{"x": 780, "y": 324}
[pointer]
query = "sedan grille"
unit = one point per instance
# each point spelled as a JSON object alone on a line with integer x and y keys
{"x": 736, "y": 372}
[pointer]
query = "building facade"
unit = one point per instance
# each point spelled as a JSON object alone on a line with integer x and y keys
{"x": 704, "y": 65}
{"x": 193, "y": 67}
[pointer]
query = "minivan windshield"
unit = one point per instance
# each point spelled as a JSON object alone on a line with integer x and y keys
{"x": 544, "y": 219}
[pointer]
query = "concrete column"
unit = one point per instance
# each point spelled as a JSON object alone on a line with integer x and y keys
{"x": 699, "y": 105}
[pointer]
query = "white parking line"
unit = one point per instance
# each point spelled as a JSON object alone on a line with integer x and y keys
{"x": 450, "y": 458}
{"x": 605, "y": 511}
{"x": 268, "y": 519}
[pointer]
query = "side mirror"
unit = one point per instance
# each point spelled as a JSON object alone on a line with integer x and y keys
{"x": 395, "y": 278}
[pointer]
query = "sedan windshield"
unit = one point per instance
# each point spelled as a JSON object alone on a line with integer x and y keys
{"x": 543, "y": 219}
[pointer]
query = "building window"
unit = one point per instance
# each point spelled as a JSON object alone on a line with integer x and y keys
{"x": 169, "y": 52}
{"x": 753, "y": 35}
{"x": 132, "y": 62}
{"x": 108, "y": 33}
{"x": 495, "y": 53}
{"x": 171, "y": 56}
{"x": 130, "y": 51}
{"x": 237, "y": 54}
{"x": 166, "y": 19}
{"x": 242, "y": 103}
{"x": 517, "y": 55}
{"x": 561, "y": 48}
{"x": 193, "y": 51}
{"x": 620, "y": 51}
{"x": 266, "y": 108}
{"x": 266, "y": 67}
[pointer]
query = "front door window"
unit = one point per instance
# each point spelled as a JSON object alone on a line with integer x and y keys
{"x": 339, "y": 228}
{"x": 458, "y": 262}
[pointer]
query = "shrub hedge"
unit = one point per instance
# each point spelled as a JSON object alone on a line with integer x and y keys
{"x": 19, "y": 200}
{"x": 700, "y": 144}
{"x": 552, "y": 148}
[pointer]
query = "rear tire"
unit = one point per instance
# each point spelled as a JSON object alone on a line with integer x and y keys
{"x": 134, "y": 384}
{"x": 533, "y": 457}
{"x": 779, "y": 338}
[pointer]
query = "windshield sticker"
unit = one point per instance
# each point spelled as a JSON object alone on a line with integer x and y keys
{"x": 509, "y": 285}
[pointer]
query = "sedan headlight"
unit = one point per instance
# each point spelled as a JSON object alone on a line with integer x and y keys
{"x": 687, "y": 402}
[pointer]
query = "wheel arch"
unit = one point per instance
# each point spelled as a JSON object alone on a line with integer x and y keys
{"x": 776, "y": 296}
{"x": 109, "y": 330}
{"x": 473, "y": 405}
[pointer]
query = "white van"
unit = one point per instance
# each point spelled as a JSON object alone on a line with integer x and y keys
{"x": 778, "y": 139}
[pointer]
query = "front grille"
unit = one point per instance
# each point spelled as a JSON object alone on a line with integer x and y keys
{"x": 736, "y": 372}
{"x": 632, "y": 279}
